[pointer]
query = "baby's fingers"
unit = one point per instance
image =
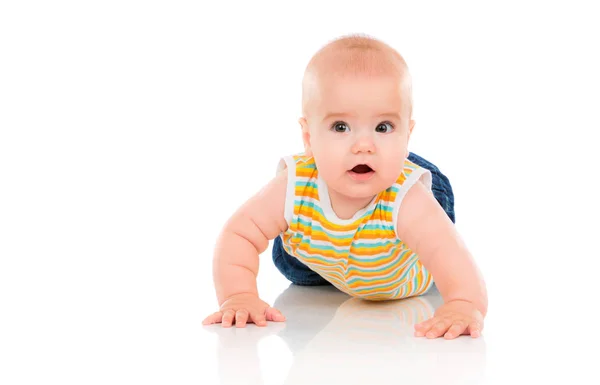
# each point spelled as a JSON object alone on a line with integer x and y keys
{"x": 457, "y": 328}
{"x": 439, "y": 328}
{"x": 228, "y": 318}
{"x": 274, "y": 315}
{"x": 213, "y": 318}
{"x": 475, "y": 329}
{"x": 241, "y": 317}
{"x": 426, "y": 325}
{"x": 423, "y": 327}
{"x": 259, "y": 319}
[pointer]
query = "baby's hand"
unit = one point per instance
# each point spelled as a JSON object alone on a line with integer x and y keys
{"x": 244, "y": 308}
{"x": 452, "y": 319}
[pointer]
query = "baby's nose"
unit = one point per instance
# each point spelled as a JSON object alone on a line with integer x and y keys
{"x": 363, "y": 144}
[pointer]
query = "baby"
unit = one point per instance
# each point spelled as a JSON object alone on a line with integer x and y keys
{"x": 355, "y": 210}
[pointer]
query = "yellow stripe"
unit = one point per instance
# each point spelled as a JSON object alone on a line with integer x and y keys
{"x": 417, "y": 278}
{"x": 309, "y": 212}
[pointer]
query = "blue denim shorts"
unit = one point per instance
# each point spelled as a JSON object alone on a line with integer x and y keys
{"x": 299, "y": 274}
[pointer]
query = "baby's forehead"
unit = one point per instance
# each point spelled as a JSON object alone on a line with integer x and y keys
{"x": 345, "y": 63}
{"x": 357, "y": 85}
{"x": 361, "y": 100}
{"x": 345, "y": 73}
{"x": 357, "y": 55}
{"x": 348, "y": 59}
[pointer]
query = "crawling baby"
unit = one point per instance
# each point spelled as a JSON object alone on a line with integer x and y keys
{"x": 355, "y": 210}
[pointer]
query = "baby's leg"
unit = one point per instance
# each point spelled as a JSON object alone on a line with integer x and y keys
{"x": 442, "y": 190}
{"x": 293, "y": 269}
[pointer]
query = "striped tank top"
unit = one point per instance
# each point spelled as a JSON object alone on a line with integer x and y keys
{"x": 361, "y": 256}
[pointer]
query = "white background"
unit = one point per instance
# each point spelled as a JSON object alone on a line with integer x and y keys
{"x": 130, "y": 131}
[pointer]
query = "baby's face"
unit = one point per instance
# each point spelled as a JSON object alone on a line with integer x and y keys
{"x": 357, "y": 129}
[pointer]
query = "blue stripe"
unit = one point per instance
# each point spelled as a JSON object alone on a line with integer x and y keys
{"x": 367, "y": 246}
{"x": 386, "y": 277}
{"x": 310, "y": 204}
{"x": 320, "y": 211}
{"x": 306, "y": 184}
{"x": 378, "y": 226}
{"x": 395, "y": 282}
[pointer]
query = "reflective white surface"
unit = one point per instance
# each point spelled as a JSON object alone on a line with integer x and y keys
{"x": 331, "y": 338}
{"x": 131, "y": 130}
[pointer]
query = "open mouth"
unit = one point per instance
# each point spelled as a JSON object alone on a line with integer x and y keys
{"x": 362, "y": 169}
{"x": 361, "y": 173}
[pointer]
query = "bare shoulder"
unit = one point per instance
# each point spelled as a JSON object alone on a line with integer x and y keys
{"x": 421, "y": 218}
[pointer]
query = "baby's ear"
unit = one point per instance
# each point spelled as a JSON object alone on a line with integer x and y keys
{"x": 411, "y": 125}
{"x": 305, "y": 136}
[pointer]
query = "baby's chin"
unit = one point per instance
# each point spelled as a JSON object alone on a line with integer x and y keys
{"x": 365, "y": 190}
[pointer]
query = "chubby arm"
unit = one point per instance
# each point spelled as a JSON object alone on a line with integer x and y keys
{"x": 245, "y": 236}
{"x": 426, "y": 229}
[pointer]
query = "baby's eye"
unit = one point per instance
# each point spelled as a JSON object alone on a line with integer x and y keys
{"x": 385, "y": 127}
{"x": 340, "y": 127}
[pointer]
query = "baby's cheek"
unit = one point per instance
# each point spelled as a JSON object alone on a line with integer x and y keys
{"x": 390, "y": 172}
{"x": 327, "y": 159}
{"x": 327, "y": 169}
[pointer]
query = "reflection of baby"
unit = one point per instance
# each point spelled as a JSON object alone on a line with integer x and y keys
{"x": 353, "y": 208}
{"x": 309, "y": 310}
{"x": 371, "y": 343}
{"x": 334, "y": 339}
{"x": 312, "y": 308}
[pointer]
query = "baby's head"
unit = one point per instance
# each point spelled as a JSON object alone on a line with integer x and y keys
{"x": 357, "y": 110}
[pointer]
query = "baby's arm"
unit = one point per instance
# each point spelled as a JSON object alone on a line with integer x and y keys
{"x": 426, "y": 229}
{"x": 235, "y": 264}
